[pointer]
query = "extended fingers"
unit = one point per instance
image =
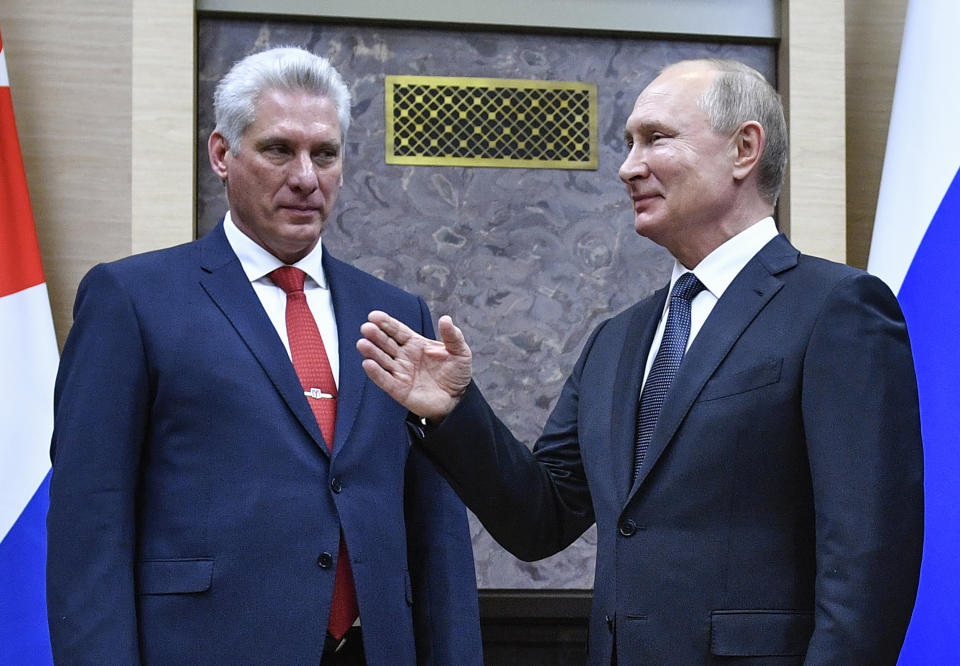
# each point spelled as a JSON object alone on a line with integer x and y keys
{"x": 377, "y": 339}
{"x": 372, "y": 352}
{"x": 382, "y": 378}
{"x": 394, "y": 328}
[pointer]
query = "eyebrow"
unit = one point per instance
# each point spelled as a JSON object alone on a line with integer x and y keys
{"x": 647, "y": 127}
{"x": 272, "y": 139}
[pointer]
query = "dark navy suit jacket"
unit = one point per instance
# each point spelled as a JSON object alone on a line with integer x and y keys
{"x": 778, "y": 515}
{"x": 194, "y": 505}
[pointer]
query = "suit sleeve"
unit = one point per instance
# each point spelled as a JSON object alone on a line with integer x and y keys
{"x": 440, "y": 555}
{"x": 101, "y": 409}
{"x": 862, "y": 427}
{"x": 534, "y": 503}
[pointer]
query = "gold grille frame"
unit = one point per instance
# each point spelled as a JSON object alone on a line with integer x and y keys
{"x": 488, "y": 122}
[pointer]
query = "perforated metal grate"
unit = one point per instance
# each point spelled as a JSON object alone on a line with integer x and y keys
{"x": 436, "y": 120}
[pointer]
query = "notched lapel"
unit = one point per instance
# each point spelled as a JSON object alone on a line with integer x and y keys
{"x": 740, "y": 304}
{"x": 350, "y": 309}
{"x": 228, "y": 287}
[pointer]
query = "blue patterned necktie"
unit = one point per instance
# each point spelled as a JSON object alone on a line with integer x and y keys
{"x": 665, "y": 364}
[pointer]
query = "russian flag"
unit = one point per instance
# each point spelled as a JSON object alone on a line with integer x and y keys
{"x": 916, "y": 240}
{"x": 28, "y": 366}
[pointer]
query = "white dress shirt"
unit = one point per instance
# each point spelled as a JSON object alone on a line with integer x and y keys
{"x": 716, "y": 272}
{"x": 257, "y": 263}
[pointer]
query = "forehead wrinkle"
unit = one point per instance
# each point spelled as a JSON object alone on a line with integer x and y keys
{"x": 653, "y": 102}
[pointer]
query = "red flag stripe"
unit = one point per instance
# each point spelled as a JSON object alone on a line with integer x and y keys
{"x": 20, "y": 265}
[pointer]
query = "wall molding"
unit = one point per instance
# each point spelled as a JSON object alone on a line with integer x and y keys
{"x": 743, "y": 19}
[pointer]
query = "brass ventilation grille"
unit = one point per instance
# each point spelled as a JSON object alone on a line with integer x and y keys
{"x": 447, "y": 121}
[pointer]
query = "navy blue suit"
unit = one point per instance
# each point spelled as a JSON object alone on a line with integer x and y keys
{"x": 778, "y": 515}
{"x": 194, "y": 505}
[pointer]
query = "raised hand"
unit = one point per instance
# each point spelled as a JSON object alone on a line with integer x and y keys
{"x": 425, "y": 376}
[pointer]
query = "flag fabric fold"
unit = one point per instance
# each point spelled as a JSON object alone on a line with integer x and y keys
{"x": 28, "y": 366}
{"x": 916, "y": 238}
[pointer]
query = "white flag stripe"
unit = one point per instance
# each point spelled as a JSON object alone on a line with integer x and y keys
{"x": 923, "y": 146}
{"x": 28, "y": 366}
{"x": 4, "y": 80}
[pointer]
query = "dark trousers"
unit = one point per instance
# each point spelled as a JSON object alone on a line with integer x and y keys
{"x": 345, "y": 652}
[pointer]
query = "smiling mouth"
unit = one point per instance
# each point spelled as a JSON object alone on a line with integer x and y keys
{"x": 640, "y": 201}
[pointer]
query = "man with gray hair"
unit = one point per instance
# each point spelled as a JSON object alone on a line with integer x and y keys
{"x": 749, "y": 447}
{"x": 228, "y": 487}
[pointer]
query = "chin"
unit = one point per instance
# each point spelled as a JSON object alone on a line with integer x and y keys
{"x": 656, "y": 232}
{"x": 643, "y": 226}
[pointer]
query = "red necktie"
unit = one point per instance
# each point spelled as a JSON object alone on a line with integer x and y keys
{"x": 313, "y": 368}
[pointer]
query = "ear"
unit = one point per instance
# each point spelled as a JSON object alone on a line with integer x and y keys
{"x": 217, "y": 148}
{"x": 748, "y": 142}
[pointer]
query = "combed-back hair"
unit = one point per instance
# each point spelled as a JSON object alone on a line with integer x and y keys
{"x": 283, "y": 68}
{"x": 740, "y": 94}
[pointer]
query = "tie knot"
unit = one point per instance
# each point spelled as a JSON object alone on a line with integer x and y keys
{"x": 288, "y": 278}
{"x": 687, "y": 287}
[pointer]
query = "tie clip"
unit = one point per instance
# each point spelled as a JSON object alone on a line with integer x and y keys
{"x": 317, "y": 394}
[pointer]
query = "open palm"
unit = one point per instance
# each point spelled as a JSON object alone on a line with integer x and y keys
{"x": 425, "y": 376}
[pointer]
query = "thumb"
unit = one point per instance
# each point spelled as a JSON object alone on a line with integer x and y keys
{"x": 452, "y": 337}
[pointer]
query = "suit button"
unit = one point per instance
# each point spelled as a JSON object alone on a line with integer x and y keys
{"x": 628, "y": 528}
{"x": 335, "y": 485}
{"x": 609, "y": 621}
{"x": 325, "y": 560}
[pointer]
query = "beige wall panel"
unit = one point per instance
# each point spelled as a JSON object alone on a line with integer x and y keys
{"x": 813, "y": 70}
{"x": 69, "y": 66}
{"x": 163, "y": 102}
{"x": 874, "y": 32}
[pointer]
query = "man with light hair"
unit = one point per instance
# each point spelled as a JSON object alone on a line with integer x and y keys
{"x": 228, "y": 487}
{"x": 748, "y": 447}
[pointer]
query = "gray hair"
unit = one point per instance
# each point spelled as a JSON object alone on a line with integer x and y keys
{"x": 281, "y": 68}
{"x": 739, "y": 94}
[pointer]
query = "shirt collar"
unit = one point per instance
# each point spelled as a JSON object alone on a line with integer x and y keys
{"x": 257, "y": 263}
{"x": 718, "y": 269}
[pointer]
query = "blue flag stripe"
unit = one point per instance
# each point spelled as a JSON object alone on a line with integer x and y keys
{"x": 930, "y": 297}
{"x": 23, "y": 610}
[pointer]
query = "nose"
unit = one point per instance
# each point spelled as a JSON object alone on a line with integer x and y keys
{"x": 302, "y": 175}
{"x": 634, "y": 166}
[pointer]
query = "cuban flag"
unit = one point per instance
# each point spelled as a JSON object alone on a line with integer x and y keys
{"x": 916, "y": 238}
{"x": 28, "y": 366}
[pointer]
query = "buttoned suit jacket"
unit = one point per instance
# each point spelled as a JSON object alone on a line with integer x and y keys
{"x": 195, "y": 510}
{"x": 777, "y": 517}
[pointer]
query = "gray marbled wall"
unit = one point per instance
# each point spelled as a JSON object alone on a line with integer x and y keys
{"x": 528, "y": 261}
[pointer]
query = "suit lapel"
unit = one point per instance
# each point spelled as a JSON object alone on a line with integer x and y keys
{"x": 350, "y": 308}
{"x": 228, "y": 287}
{"x": 746, "y": 296}
{"x": 626, "y": 389}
